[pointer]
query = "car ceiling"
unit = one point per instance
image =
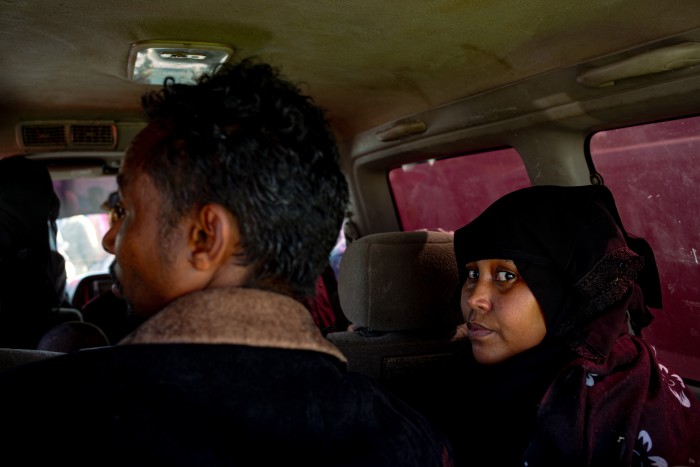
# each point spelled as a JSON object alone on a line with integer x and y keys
{"x": 367, "y": 62}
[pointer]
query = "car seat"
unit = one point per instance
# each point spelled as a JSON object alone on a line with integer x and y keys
{"x": 396, "y": 289}
{"x": 89, "y": 287}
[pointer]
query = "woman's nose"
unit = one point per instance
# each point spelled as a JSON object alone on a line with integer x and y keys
{"x": 477, "y": 297}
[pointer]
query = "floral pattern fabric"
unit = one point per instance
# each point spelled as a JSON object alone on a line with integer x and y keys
{"x": 630, "y": 410}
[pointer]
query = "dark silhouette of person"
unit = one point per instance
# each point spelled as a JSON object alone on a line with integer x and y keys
{"x": 32, "y": 272}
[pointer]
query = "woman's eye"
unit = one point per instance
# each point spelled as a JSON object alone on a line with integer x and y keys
{"x": 472, "y": 275}
{"x": 504, "y": 276}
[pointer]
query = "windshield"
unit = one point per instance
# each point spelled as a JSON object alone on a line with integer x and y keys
{"x": 82, "y": 223}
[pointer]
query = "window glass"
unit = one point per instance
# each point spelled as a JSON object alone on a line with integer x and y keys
{"x": 654, "y": 173}
{"x": 82, "y": 223}
{"x": 447, "y": 193}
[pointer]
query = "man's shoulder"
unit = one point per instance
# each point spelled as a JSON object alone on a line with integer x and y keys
{"x": 197, "y": 395}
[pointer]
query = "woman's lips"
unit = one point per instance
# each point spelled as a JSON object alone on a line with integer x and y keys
{"x": 476, "y": 330}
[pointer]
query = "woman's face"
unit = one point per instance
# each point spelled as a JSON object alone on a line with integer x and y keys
{"x": 502, "y": 314}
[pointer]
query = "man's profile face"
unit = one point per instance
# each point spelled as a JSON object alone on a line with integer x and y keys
{"x": 149, "y": 268}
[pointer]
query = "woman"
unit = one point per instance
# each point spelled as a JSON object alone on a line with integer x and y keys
{"x": 551, "y": 285}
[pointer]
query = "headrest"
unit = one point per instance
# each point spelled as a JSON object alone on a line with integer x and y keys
{"x": 71, "y": 336}
{"x": 399, "y": 281}
{"x": 28, "y": 203}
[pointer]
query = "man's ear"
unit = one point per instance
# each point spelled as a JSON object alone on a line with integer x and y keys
{"x": 214, "y": 237}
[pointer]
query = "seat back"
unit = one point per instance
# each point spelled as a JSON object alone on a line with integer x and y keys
{"x": 72, "y": 336}
{"x": 397, "y": 289}
{"x": 14, "y": 357}
{"x": 89, "y": 287}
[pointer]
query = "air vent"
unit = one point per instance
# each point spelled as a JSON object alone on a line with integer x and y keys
{"x": 45, "y": 135}
{"x": 67, "y": 135}
{"x": 93, "y": 135}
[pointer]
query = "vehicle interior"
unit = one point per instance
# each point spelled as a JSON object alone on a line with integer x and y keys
{"x": 438, "y": 107}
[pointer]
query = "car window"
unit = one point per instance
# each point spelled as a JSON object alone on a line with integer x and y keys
{"x": 447, "y": 193}
{"x": 652, "y": 171}
{"x": 82, "y": 223}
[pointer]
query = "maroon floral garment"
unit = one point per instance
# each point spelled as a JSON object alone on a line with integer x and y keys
{"x": 628, "y": 410}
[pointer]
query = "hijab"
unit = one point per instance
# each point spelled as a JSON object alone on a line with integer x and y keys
{"x": 570, "y": 248}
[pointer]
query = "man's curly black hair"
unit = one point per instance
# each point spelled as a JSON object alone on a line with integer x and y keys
{"x": 249, "y": 140}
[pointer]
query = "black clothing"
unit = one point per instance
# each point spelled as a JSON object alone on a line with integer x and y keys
{"x": 32, "y": 275}
{"x": 218, "y": 378}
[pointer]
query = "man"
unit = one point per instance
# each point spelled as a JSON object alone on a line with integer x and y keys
{"x": 231, "y": 200}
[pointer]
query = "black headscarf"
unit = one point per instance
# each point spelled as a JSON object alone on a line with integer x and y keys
{"x": 585, "y": 271}
{"x": 573, "y": 252}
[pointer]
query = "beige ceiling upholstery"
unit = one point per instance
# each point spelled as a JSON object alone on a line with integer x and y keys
{"x": 367, "y": 61}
